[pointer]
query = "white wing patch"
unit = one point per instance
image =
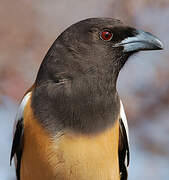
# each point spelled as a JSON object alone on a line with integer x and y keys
{"x": 20, "y": 111}
{"x": 124, "y": 119}
{"x": 17, "y": 135}
{"x": 125, "y": 125}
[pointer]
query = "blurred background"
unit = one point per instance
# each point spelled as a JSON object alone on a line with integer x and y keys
{"x": 27, "y": 30}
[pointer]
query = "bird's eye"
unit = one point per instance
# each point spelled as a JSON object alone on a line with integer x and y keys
{"x": 106, "y": 35}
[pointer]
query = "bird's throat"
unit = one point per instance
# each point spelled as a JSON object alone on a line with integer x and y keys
{"x": 88, "y": 106}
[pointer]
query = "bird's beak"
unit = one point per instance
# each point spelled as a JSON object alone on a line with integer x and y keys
{"x": 140, "y": 42}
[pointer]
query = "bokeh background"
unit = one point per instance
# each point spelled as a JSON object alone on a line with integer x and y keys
{"x": 28, "y": 28}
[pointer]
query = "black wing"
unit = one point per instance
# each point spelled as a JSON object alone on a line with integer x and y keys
{"x": 17, "y": 146}
{"x": 18, "y": 135}
{"x": 123, "y": 146}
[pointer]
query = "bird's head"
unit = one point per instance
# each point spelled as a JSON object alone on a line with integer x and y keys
{"x": 77, "y": 78}
{"x": 97, "y": 44}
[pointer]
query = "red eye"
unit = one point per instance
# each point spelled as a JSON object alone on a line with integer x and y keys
{"x": 106, "y": 35}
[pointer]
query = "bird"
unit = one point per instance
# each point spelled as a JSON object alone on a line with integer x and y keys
{"x": 71, "y": 124}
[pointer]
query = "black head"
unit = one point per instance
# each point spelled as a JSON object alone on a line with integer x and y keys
{"x": 95, "y": 44}
{"x": 77, "y": 78}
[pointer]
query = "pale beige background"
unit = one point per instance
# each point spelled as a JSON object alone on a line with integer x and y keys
{"x": 28, "y": 28}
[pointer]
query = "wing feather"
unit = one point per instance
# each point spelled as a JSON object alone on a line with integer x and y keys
{"x": 123, "y": 144}
{"x": 18, "y": 134}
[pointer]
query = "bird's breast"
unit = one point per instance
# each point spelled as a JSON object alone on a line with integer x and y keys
{"x": 68, "y": 156}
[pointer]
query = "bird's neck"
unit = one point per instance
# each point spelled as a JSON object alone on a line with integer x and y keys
{"x": 88, "y": 105}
